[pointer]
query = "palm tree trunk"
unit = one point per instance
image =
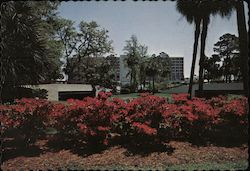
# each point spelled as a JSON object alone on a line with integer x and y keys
{"x": 153, "y": 84}
{"x": 202, "y": 52}
{"x": 1, "y": 83}
{"x": 241, "y": 23}
{"x": 195, "y": 46}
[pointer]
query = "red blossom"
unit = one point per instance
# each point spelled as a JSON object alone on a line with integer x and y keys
{"x": 180, "y": 98}
{"x": 103, "y": 128}
{"x": 143, "y": 128}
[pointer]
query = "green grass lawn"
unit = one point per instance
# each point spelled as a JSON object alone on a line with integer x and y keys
{"x": 165, "y": 94}
{"x": 135, "y": 95}
{"x": 237, "y": 165}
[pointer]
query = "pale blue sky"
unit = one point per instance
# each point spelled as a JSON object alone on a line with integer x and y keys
{"x": 156, "y": 24}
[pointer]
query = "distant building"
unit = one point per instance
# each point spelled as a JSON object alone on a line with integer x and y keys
{"x": 177, "y": 69}
{"x": 115, "y": 64}
{"x": 176, "y": 64}
{"x": 124, "y": 78}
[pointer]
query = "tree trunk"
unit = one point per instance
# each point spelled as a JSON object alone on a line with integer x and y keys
{"x": 144, "y": 83}
{"x": 1, "y": 92}
{"x": 153, "y": 84}
{"x": 1, "y": 89}
{"x": 195, "y": 46}
{"x": 202, "y": 52}
{"x": 131, "y": 77}
{"x": 241, "y": 23}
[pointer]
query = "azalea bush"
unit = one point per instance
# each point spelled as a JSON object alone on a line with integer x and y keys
{"x": 200, "y": 118}
{"x": 89, "y": 120}
{"x": 28, "y": 116}
{"x": 143, "y": 118}
{"x": 146, "y": 119}
{"x": 233, "y": 119}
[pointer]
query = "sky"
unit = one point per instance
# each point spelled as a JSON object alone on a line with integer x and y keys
{"x": 157, "y": 25}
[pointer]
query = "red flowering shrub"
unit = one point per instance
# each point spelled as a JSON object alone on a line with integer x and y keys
{"x": 180, "y": 98}
{"x": 145, "y": 119}
{"x": 28, "y": 115}
{"x": 91, "y": 118}
{"x": 235, "y": 111}
{"x": 7, "y": 119}
{"x": 218, "y": 102}
{"x": 144, "y": 115}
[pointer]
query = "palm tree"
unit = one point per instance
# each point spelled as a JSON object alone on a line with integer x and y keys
{"x": 199, "y": 11}
{"x": 223, "y": 8}
{"x": 243, "y": 42}
{"x": 186, "y": 8}
{"x": 23, "y": 49}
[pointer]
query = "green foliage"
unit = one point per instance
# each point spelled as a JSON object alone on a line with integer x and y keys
{"x": 91, "y": 41}
{"x": 135, "y": 61}
{"x": 199, "y": 12}
{"x": 94, "y": 71}
{"x": 227, "y": 48}
{"x": 30, "y": 54}
{"x": 157, "y": 66}
{"x": 45, "y": 11}
{"x": 212, "y": 68}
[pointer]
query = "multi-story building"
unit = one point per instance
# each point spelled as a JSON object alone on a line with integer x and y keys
{"x": 177, "y": 68}
{"x": 115, "y": 64}
{"x": 176, "y": 65}
{"x": 124, "y": 79}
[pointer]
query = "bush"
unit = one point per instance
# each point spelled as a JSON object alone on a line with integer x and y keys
{"x": 27, "y": 115}
{"x": 39, "y": 93}
{"x": 10, "y": 94}
{"x": 148, "y": 119}
{"x": 90, "y": 119}
{"x": 144, "y": 115}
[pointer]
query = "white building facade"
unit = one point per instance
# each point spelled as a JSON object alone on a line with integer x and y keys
{"x": 124, "y": 78}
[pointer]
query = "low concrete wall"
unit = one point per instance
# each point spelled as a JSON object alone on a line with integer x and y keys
{"x": 54, "y": 89}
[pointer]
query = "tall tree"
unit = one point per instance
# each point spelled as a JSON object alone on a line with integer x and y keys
{"x": 227, "y": 48}
{"x": 223, "y": 8}
{"x": 45, "y": 12}
{"x": 186, "y": 8}
{"x": 243, "y": 41}
{"x": 157, "y": 66}
{"x": 142, "y": 65}
{"x": 199, "y": 11}
{"x": 79, "y": 47}
{"x": 212, "y": 68}
{"x": 23, "y": 59}
{"x": 132, "y": 60}
{"x": 67, "y": 35}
